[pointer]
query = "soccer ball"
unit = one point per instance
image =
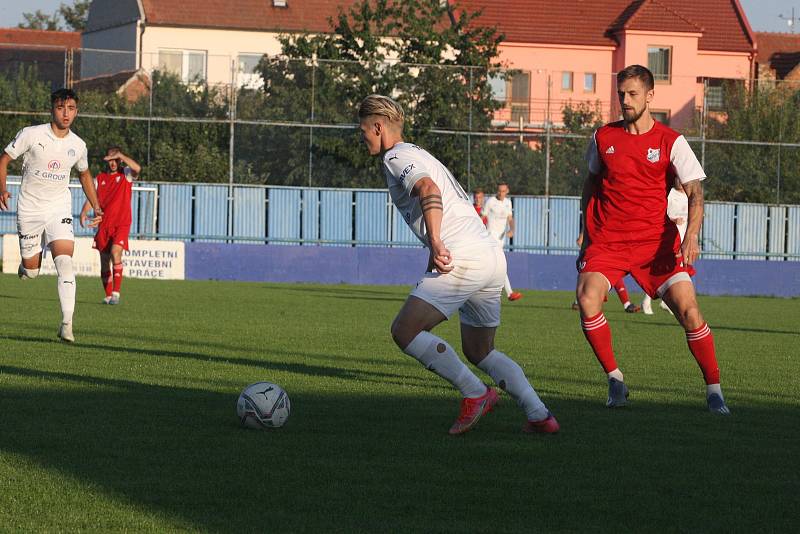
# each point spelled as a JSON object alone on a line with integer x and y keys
{"x": 263, "y": 405}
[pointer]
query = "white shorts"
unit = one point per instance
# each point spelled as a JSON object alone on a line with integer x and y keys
{"x": 37, "y": 230}
{"x": 473, "y": 287}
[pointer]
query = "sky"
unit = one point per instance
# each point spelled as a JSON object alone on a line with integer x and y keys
{"x": 763, "y": 14}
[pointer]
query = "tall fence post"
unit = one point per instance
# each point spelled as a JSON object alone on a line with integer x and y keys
{"x": 231, "y": 142}
{"x": 703, "y": 122}
{"x": 311, "y": 128}
{"x": 547, "y": 143}
{"x": 780, "y": 146}
{"x": 150, "y": 117}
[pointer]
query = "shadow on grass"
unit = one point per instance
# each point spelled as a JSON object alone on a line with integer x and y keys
{"x": 347, "y": 462}
{"x": 285, "y": 361}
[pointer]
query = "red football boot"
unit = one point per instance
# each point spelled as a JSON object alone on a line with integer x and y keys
{"x": 472, "y": 410}
{"x": 549, "y": 425}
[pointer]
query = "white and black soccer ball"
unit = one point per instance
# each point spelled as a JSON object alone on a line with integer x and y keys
{"x": 263, "y": 405}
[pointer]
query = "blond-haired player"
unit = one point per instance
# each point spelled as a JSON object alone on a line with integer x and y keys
{"x": 466, "y": 272}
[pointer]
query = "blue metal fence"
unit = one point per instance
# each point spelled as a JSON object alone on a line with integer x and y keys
{"x": 342, "y": 217}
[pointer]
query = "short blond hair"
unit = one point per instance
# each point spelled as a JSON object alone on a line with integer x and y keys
{"x": 382, "y": 106}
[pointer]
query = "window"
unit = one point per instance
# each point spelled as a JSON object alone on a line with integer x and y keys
{"x": 497, "y": 83}
{"x": 279, "y": 3}
{"x": 589, "y": 82}
{"x": 566, "y": 81}
{"x": 170, "y": 61}
{"x": 659, "y": 61}
{"x": 188, "y": 65}
{"x": 514, "y": 91}
{"x": 660, "y": 116}
{"x": 248, "y": 75}
{"x": 521, "y": 97}
{"x": 715, "y": 94}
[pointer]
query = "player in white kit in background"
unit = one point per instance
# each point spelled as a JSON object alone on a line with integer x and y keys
{"x": 466, "y": 272}
{"x": 678, "y": 212}
{"x": 44, "y": 209}
{"x": 499, "y": 214}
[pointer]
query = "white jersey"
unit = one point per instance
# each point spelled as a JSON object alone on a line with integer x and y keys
{"x": 678, "y": 207}
{"x": 405, "y": 164}
{"x": 46, "y": 167}
{"x": 497, "y": 213}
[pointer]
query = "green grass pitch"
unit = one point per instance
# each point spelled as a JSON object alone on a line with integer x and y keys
{"x": 133, "y": 428}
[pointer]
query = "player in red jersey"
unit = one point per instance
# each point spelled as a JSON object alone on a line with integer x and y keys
{"x": 478, "y": 198}
{"x": 114, "y": 193}
{"x": 632, "y": 165}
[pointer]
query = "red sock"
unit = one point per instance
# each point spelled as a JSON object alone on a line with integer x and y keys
{"x": 622, "y": 292}
{"x": 117, "y": 277}
{"x": 701, "y": 343}
{"x": 105, "y": 277}
{"x": 598, "y": 334}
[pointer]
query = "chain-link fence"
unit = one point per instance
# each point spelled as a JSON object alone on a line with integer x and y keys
{"x": 191, "y": 116}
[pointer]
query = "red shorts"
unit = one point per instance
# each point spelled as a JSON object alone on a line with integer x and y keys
{"x": 655, "y": 265}
{"x": 107, "y": 236}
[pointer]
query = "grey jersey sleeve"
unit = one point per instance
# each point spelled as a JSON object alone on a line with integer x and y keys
{"x": 593, "y": 156}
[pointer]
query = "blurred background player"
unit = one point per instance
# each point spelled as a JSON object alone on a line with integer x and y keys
{"x": 631, "y": 164}
{"x": 478, "y": 198}
{"x": 499, "y": 218}
{"x": 114, "y": 194}
{"x": 466, "y": 271}
{"x": 619, "y": 288}
{"x": 44, "y": 209}
{"x": 678, "y": 212}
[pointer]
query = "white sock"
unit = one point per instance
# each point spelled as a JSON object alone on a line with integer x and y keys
{"x": 437, "y": 356}
{"x": 616, "y": 373}
{"x": 646, "y": 301}
{"x": 714, "y": 388}
{"x": 66, "y": 286}
{"x": 510, "y": 378}
{"x": 507, "y": 286}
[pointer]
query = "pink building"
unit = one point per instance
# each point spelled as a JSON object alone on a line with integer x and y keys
{"x": 568, "y": 51}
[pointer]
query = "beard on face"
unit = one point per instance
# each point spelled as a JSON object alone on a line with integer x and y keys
{"x": 632, "y": 116}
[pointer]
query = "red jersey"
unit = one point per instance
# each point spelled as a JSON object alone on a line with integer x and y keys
{"x": 634, "y": 174}
{"x": 479, "y": 209}
{"x": 114, "y": 195}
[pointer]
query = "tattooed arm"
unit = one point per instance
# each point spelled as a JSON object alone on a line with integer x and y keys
{"x": 430, "y": 200}
{"x": 690, "y": 248}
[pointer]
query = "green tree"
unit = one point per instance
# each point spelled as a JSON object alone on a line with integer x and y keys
{"x": 749, "y": 173}
{"x": 75, "y": 15}
{"x": 568, "y": 154}
{"x": 382, "y": 46}
{"x": 39, "y": 20}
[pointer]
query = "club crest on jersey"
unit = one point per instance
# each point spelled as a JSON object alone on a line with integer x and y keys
{"x": 653, "y": 155}
{"x": 118, "y": 177}
{"x": 71, "y": 152}
{"x": 53, "y": 165}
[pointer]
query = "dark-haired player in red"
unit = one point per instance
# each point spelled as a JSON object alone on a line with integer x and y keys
{"x": 114, "y": 193}
{"x": 632, "y": 165}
